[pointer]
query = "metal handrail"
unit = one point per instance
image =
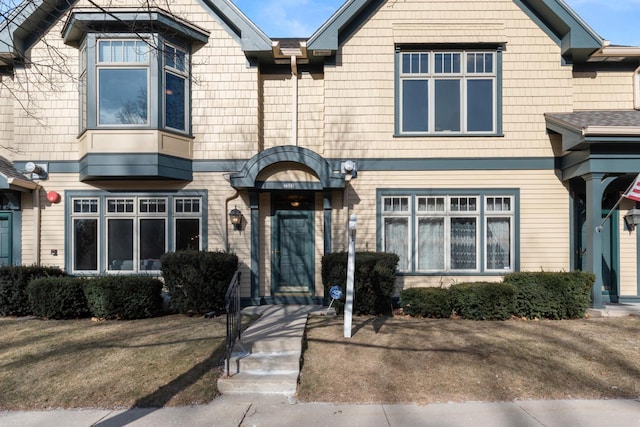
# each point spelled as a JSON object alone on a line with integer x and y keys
{"x": 234, "y": 319}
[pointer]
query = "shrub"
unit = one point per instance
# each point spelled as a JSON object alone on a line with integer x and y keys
{"x": 13, "y": 287}
{"x": 426, "y": 302}
{"x": 197, "y": 281}
{"x": 124, "y": 297}
{"x": 374, "y": 279}
{"x": 483, "y": 301}
{"x": 553, "y": 295}
{"x": 57, "y": 298}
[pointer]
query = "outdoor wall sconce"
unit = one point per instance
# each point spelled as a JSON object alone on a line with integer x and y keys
{"x": 632, "y": 218}
{"x": 235, "y": 216}
{"x": 349, "y": 167}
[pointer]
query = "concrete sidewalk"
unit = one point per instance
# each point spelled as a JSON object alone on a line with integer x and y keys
{"x": 278, "y": 411}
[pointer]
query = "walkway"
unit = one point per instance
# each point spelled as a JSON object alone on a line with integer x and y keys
{"x": 245, "y": 411}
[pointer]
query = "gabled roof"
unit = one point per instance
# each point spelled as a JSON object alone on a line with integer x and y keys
{"x": 27, "y": 22}
{"x": 564, "y": 26}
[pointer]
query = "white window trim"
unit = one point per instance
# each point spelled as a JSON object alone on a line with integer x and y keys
{"x": 85, "y": 215}
{"x": 399, "y": 214}
{"x": 481, "y": 215}
{"x": 500, "y": 214}
{"x": 463, "y": 76}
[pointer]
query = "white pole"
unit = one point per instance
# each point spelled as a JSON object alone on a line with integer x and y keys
{"x": 351, "y": 268}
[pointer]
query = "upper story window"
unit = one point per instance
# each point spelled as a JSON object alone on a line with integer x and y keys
{"x": 123, "y": 82}
{"x": 443, "y": 92}
{"x": 134, "y": 83}
{"x": 135, "y": 68}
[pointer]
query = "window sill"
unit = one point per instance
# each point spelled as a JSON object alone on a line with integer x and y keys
{"x": 450, "y": 273}
{"x": 448, "y": 135}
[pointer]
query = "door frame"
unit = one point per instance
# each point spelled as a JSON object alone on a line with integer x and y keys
{"x": 9, "y": 217}
{"x": 280, "y": 210}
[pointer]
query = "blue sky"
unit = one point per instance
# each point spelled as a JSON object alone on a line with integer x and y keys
{"x": 615, "y": 20}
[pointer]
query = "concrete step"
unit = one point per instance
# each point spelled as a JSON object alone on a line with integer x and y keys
{"x": 271, "y": 363}
{"x": 246, "y": 383}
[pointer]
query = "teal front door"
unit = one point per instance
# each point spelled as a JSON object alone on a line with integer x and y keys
{"x": 292, "y": 252}
{"x": 6, "y": 257}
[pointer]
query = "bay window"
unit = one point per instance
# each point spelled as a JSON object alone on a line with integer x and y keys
{"x": 447, "y": 92}
{"x": 130, "y": 233}
{"x": 442, "y": 232}
{"x": 140, "y": 82}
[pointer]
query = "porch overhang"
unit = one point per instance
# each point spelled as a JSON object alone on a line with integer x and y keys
{"x": 12, "y": 179}
{"x": 597, "y": 141}
{"x": 327, "y": 178}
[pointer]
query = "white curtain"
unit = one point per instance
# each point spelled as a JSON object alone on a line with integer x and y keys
{"x": 396, "y": 238}
{"x": 431, "y": 244}
{"x": 498, "y": 243}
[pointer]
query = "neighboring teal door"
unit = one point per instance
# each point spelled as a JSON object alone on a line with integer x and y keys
{"x": 6, "y": 243}
{"x": 292, "y": 251}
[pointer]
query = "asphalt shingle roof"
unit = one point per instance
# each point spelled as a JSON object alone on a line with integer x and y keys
{"x": 7, "y": 169}
{"x": 606, "y": 118}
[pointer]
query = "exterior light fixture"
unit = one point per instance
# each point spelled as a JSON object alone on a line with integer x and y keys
{"x": 632, "y": 218}
{"x": 235, "y": 216}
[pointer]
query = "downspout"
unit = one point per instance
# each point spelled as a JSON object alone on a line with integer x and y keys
{"x": 294, "y": 101}
{"x": 225, "y": 239}
{"x": 36, "y": 222}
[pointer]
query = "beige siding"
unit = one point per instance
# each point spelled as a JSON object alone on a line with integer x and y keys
{"x": 224, "y": 96}
{"x": 601, "y": 90}
{"x": 359, "y": 94}
{"x": 628, "y": 254}
{"x": 544, "y": 234}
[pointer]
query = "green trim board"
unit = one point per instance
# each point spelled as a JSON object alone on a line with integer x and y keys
{"x": 247, "y": 177}
{"x": 364, "y": 164}
{"x": 252, "y": 39}
{"x": 576, "y": 39}
{"x": 83, "y": 21}
{"x": 95, "y": 166}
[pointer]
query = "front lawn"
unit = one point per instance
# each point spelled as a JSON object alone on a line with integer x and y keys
{"x": 171, "y": 360}
{"x": 405, "y": 360}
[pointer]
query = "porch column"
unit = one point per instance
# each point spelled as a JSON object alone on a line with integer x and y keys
{"x": 596, "y": 185}
{"x": 326, "y": 204}
{"x": 254, "y": 202}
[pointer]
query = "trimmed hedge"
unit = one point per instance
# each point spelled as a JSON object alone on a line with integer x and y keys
{"x": 483, "y": 300}
{"x": 426, "y": 302}
{"x": 13, "y": 287}
{"x": 124, "y": 297}
{"x": 374, "y": 279}
{"x": 197, "y": 281}
{"x": 58, "y": 298}
{"x": 564, "y": 295}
